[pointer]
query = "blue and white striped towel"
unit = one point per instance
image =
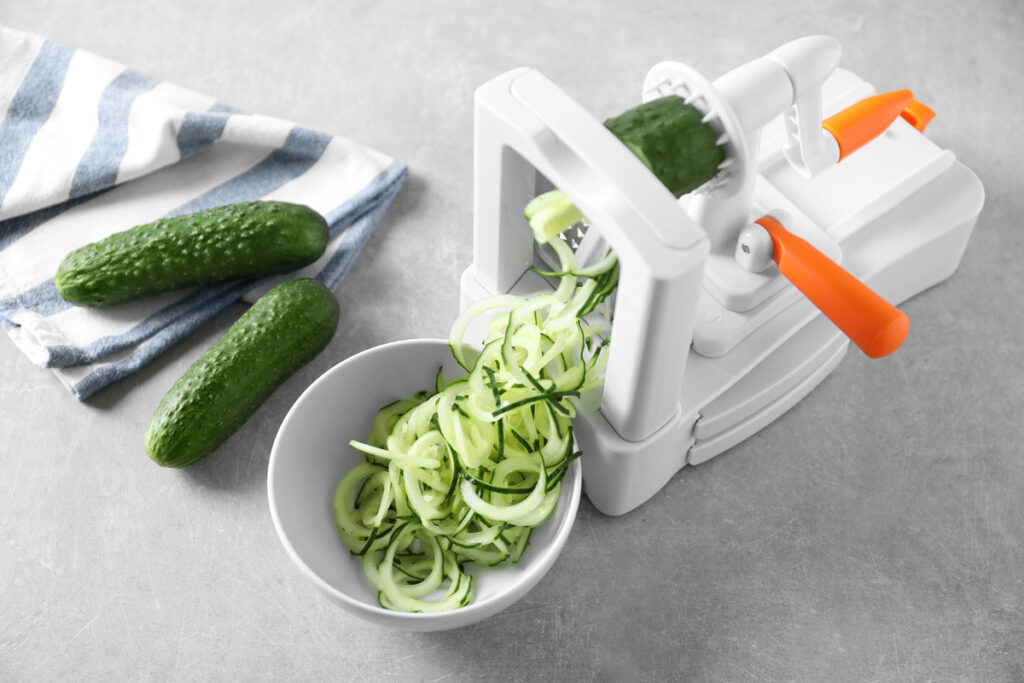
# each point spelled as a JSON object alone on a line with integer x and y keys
{"x": 75, "y": 128}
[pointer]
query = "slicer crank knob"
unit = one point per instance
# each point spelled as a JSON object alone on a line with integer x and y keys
{"x": 754, "y": 248}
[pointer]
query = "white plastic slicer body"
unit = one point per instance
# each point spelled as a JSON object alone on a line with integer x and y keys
{"x": 707, "y": 349}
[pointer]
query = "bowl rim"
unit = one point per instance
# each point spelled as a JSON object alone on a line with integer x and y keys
{"x": 375, "y": 612}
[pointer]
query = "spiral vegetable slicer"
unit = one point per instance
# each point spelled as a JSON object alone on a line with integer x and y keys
{"x": 711, "y": 340}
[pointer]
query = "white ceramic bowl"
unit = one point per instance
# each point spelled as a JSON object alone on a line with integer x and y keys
{"x": 311, "y": 453}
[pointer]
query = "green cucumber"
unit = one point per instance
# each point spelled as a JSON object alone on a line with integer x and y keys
{"x": 551, "y": 214}
{"x": 285, "y": 329}
{"x": 231, "y": 242}
{"x": 669, "y": 136}
{"x": 671, "y": 139}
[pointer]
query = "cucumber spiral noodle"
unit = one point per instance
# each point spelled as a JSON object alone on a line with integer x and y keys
{"x": 465, "y": 473}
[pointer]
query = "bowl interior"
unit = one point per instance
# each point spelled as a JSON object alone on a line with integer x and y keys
{"x": 311, "y": 453}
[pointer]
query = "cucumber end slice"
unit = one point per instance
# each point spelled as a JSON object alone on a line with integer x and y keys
{"x": 550, "y": 214}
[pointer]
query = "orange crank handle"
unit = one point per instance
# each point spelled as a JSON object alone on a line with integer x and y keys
{"x": 872, "y": 323}
{"x": 863, "y": 121}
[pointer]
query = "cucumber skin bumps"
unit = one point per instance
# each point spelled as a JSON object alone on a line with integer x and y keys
{"x": 231, "y": 242}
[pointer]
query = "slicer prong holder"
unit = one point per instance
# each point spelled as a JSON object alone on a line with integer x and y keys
{"x": 703, "y": 351}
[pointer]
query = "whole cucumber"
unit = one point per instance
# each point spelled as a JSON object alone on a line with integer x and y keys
{"x": 670, "y": 138}
{"x": 235, "y": 241}
{"x": 280, "y": 333}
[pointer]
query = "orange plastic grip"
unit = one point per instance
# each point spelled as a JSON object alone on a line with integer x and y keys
{"x": 872, "y": 323}
{"x": 918, "y": 114}
{"x": 862, "y": 122}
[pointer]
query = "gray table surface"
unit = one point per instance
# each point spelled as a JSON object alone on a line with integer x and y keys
{"x": 874, "y": 532}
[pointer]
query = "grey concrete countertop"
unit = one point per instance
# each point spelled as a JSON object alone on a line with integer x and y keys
{"x": 874, "y": 532}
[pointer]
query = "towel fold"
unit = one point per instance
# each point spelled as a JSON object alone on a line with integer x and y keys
{"x": 89, "y": 147}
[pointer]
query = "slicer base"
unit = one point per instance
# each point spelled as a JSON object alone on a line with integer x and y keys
{"x": 729, "y": 398}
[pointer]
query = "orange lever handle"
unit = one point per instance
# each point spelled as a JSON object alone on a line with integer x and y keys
{"x": 863, "y": 121}
{"x": 872, "y": 323}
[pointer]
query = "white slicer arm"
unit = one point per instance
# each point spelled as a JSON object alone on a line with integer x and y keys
{"x": 526, "y": 126}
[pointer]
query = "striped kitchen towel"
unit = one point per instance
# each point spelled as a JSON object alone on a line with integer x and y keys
{"x": 89, "y": 147}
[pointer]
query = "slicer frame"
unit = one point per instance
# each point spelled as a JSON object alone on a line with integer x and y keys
{"x": 675, "y": 394}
